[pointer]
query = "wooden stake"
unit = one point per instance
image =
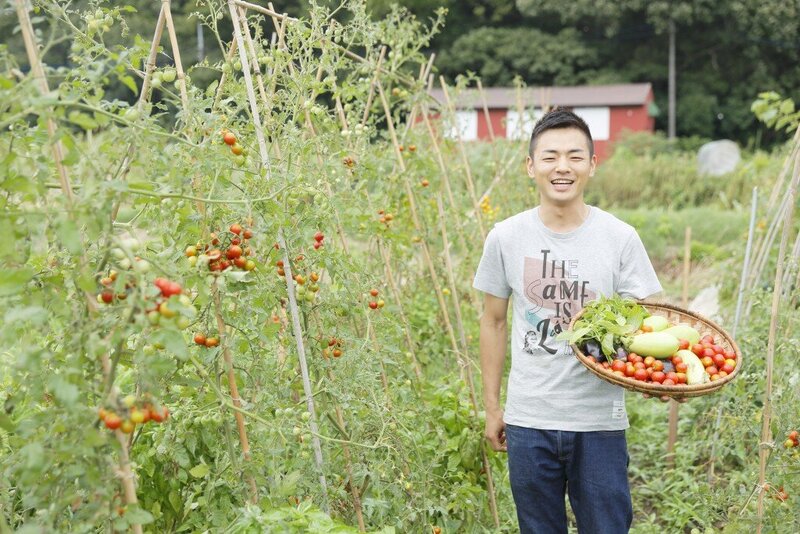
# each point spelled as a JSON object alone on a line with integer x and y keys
{"x": 746, "y": 264}
{"x": 467, "y": 168}
{"x": 672, "y": 435}
{"x": 465, "y": 360}
{"x": 233, "y": 387}
{"x": 371, "y": 93}
{"x": 766, "y": 432}
{"x": 176, "y": 54}
{"x": 412, "y": 205}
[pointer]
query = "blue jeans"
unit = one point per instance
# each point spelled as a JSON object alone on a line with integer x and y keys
{"x": 591, "y": 467}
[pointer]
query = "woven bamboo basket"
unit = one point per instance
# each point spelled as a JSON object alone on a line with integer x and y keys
{"x": 674, "y": 315}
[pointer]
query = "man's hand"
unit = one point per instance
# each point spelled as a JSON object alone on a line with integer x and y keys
{"x": 496, "y": 430}
{"x": 664, "y": 398}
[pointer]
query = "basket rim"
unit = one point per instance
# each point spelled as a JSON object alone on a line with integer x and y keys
{"x": 678, "y": 390}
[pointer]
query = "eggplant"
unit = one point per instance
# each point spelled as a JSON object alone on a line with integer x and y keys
{"x": 669, "y": 367}
{"x": 592, "y": 348}
{"x": 621, "y": 353}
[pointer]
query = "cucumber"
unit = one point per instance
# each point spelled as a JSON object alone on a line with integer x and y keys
{"x": 655, "y": 344}
{"x": 684, "y": 331}
{"x": 695, "y": 373}
{"x": 656, "y": 322}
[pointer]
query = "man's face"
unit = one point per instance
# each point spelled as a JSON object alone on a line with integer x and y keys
{"x": 561, "y": 166}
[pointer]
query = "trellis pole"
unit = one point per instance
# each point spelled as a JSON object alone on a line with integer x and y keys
{"x": 766, "y": 444}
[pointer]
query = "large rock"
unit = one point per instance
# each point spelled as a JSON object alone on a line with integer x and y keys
{"x": 718, "y": 157}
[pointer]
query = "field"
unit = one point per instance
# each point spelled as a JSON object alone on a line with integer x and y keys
{"x": 245, "y": 305}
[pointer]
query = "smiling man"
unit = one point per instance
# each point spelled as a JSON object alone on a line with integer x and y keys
{"x": 563, "y": 428}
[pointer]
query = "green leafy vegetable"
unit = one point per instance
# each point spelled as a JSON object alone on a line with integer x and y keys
{"x": 607, "y": 320}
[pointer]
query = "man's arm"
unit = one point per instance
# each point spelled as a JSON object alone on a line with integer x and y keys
{"x": 493, "y": 340}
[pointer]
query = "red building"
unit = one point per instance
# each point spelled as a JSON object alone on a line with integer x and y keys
{"x": 607, "y": 109}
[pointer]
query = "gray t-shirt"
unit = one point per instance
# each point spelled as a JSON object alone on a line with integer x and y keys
{"x": 552, "y": 276}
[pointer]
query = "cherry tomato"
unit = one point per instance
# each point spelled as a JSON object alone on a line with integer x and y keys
{"x": 697, "y": 348}
{"x": 200, "y": 339}
{"x": 681, "y": 378}
{"x": 236, "y": 228}
{"x": 681, "y": 367}
{"x": 640, "y": 374}
{"x": 658, "y": 376}
{"x": 112, "y": 421}
{"x": 229, "y": 138}
{"x": 658, "y": 365}
{"x": 618, "y": 365}
{"x": 648, "y": 362}
{"x": 712, "y": 370}
{"x": 683, "y": 344}
{"x": 668, "y": 382}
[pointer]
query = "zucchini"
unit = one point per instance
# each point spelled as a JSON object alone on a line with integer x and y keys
{"x": 656, "y": 322}
{"x": 695, "y": 373}
{"x": 655, "y": 344}
{"x": 684, "y": 331}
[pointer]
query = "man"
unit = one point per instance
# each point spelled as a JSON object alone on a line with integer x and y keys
{"x": 563, "y": 428}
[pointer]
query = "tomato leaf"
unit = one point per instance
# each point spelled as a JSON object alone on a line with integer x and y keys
{"x": 14, "y": 281}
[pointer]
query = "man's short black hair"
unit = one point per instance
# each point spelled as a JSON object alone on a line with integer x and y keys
{"x": 560, "y": 117}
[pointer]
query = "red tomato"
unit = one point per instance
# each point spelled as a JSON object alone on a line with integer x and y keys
{"x": 629, "y": 369}
{"x": 712, "y": 370}
{"x": 668, "y": 382}
{"x": 708, "y": 338}
{"x": 683, "y": 344}
{"x": 234, "y": 251}
{"x": 112, "y": 421}
{"x": 618, "y": 365}
{"x": 727, "y": 368}
{"x": 676, "y": 360}
{"x": 632, "y": 357}
{"x": 697, "y": 348}
{"x": 707, "y": 361}
{"x": 658, "y": 365}
{"x": 681, "y": 378}
{"x": 658, "y": 376}
{"x": 719, "y": 359}
{"x": 200, "y": 339}
{"x": 648, "y": 362}
{"x": 681, "y": 367}
{"x": 639, "y": 365}
{"x": 708, "y": 351}
{"x": 640, "y": 374}
{"x": 619, "y": 373}
{"x": 715, "y": 376}
{"x": 730, "y": 355}
{"x": 236, "y": 228}
{"x": 229, "y": 138}
{"x": 673, "y": 377}
{"x": 718, "y": 349}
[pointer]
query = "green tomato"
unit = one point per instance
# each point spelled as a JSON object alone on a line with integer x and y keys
{"x": 182, "y": 322}
{"x": 154, "y": 317}
{"x": 168, "y": 75}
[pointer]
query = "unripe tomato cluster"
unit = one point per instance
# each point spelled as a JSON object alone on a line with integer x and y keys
{"x": 307, "y": 288}
{"x": 334, "y": 348}
{"x": 375, "y": 304}
{"x": 791, "y": 440}
{"x": 162, "y": 310}
{"x": 132, "y": 412}
{"x": 228, "y": 249}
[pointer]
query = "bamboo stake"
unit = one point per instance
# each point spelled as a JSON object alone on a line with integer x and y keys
{"x": 746, "y": 264}
{"x": 176, "y": 53}
{"x": 371, "y": 93}
{"x": 126, "y": 474}
{"x": 466, "y": 361}
{"x": 298, "y": 333}
{"x": 38, "y": 74}
{"x": 778, "y": 187}
{"x": 233, "y": 387}
{"x": 423, "y": 75}
{"x": 766, "y": 432}
{"x": 488, "y": 118}
{"x": 348, "y": 461}
{"x": 672, "y": 435}
{"x": 464, "y": 159}
{"x": 412, "y": 205}
{"x": 224, "y": 76}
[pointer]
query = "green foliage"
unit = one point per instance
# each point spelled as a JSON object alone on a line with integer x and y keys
{"x": 776, "y": 112}
{"x": 501, "y": 54}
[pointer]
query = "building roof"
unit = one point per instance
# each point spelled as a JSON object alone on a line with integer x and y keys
{"x": 630, "y": 94}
